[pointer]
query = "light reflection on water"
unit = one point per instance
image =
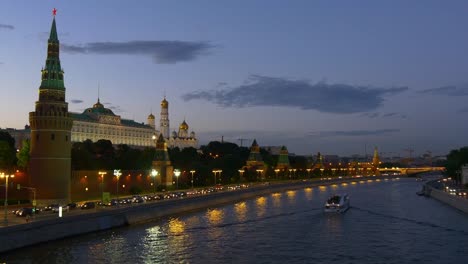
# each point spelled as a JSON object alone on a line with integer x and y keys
{"x": 260, "y": 208}
{"x": 387, "y": 223}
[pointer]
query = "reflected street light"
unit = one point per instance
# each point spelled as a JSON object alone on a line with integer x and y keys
{"x": 5, "y": 206}
{"x": 192, "y": 172}
{"x": 154, "y": 173}
{"x": 117, "y": 174}
{"x": 177, "y": 174}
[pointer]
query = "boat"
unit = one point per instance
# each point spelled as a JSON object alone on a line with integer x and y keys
{"x": 420, "y": 193}
{"x": 337, "y": 204}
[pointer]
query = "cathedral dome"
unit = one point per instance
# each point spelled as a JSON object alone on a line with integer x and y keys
{"x": 174, "y": 134}
{"x": 98, "y": 104}
{"x": 151, "y": 116}
{"x": 98, "y": 109}
{"x": 164, "y": 103}
{"x": 183, "y": 126}
{"x": 192, "y": 134}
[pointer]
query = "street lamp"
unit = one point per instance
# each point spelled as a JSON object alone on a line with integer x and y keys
{"x": 192, "y": 172}
{"x": 276, "y": 172}
{"x": 241, "y": 172}
{"x": 5, "y": 206}
{"x": 102, "y": 173}
{"x": 260, "y": 174}
{"x": 154, "y": 173}
{"x": 117, "y": 174}
{"x": 177, "y": 174}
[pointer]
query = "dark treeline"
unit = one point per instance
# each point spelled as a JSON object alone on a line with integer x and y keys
{"x": 227, "y": 157}
{"x": 455, "y": 160}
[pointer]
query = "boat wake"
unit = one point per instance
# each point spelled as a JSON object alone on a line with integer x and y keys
{"x": 418, "y": 222}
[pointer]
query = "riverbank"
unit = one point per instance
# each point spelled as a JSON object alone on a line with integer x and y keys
{"x": 17, "y": 236}
{"x": 430, "y": 189}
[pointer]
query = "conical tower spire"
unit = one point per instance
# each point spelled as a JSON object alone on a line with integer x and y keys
{"x": 53, "y": 37}
{"x": 52, "y": 73}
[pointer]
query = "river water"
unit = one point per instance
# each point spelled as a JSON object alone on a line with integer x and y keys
{"x": 387, "y": 223}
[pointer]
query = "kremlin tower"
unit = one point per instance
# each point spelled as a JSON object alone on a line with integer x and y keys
{"x": 164, "y": 121}
{"x": 51, "y": 124}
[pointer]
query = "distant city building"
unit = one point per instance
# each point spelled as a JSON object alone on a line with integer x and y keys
{"x": 162, "y": 163}
{"x": 283, "y": 159}
{"x": 98, "y": 122}
{"x": 255, "y": 162}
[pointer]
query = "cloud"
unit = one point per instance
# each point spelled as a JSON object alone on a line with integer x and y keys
{"x": 4, "y": 26}
{"x": 116, "y": 109}
{"x": 449, "y": 90}
{"x": 270, "y": 91}
{"x": 162, "y": 51}
{"x": 354, "y": 133}
{"x": 76, "y": 101}
{"x": 386, "y": 115}
{"x": 371, "y": 115}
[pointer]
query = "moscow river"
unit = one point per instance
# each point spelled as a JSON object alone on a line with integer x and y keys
{"x": 387, "y": 223}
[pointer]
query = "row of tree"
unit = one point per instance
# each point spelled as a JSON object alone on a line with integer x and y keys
{"x": 455, "y": 160}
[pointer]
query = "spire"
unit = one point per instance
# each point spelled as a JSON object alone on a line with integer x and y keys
{"x": 53, "y": 32}
{"x": 52, "y": 73}
{"x": 376, "y": 159}
{"x": 254, "y": 143}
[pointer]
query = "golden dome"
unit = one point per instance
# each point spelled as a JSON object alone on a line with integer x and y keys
{"x": 164, "y": 103}
{"x": 183, "y": 126}
{"x": 98, "y": 104}
{"x": 151, "y": 116}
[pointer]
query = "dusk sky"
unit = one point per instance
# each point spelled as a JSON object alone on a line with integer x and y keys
{"x": 328, "y": 76}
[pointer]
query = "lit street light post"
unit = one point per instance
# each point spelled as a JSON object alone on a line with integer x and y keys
{"x": 241, "y": 172}
{"x": 260, "y": 172}
{"x": 214, "y": 173}
{"x": 5, "y": 206}
{"x": 154, "y": 173}
{"x": 117, "y": 174}
{"x": 102, "y": 173}
{"x": 192, "y": 172}
{"x": 177, "y": 174}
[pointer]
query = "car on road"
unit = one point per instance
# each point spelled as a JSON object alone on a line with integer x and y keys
{"x": 49, "y": 207}
{"x": 23, "y": 212}
{"x": 88, "y": 205}
{"x": 56, "y": 209}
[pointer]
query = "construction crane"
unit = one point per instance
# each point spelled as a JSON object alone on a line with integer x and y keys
{"x": 242, "y": 140}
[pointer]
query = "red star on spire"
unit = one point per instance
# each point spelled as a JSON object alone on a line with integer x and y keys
{"x": 54, "y": 11}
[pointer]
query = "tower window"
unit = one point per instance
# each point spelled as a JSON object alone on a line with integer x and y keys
{"x": 37, "y": 137}
{"x": 52, "y": 136}
{"x": 66, "y": 138}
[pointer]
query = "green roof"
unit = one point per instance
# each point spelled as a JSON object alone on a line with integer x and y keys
{"x": 52, "y": 73}
{"x": 53, "y": 33}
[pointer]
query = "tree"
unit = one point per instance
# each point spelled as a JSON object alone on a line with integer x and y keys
{"x": 23, "y": 155}
{"x": 455, "y": 160}
{"x": 7, "y": 151}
